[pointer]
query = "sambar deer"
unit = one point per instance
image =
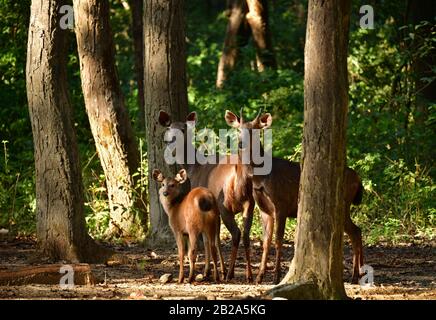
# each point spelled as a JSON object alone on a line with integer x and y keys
{"x": 192, "y": 212}
{"x": 276, "y": 195}
{"x": 228, "y": 182}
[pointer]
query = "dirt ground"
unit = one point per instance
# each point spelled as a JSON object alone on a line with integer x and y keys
{"x": 406, "y": 271}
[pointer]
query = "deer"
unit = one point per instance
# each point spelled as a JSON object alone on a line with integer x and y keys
{"x": 193, "y": 212}
{"x": 230, "y": 185}
{"x": 276, "y": 195}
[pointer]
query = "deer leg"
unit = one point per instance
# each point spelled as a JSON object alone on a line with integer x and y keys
{"x": 355, "y": 235}
{"x": 192, "y": 256}
{"x": 181, "y": 251}
{"x": 206, "y": 243}
{"x": 268, "y": 226}
{"x": 230, "y": 223}
{"x": 248, "y": 220}
{"x": 218, "y": 244}
{"x": 280, "y": 232}
{"x": 212, "y": 248}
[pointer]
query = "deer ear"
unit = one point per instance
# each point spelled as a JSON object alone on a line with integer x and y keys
{"x": 158, "y": 176}
{"x": 192, "y": 117}
{"x": 265, "y": 121}
{"x": 164, "y": 119}
{"x": 181, "y": 176}
{"x": 232, "y": 119}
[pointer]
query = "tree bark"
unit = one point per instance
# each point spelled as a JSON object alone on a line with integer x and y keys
{"x": 246, "y": 17}
{"x": 110, "y": 124}
{"x": 236, "y": 31}
{"x": 137, "y": 7}
{"x": 61, "y": 228}
{"x": 257, "y": 17}
{"x": 317, "y": 266}
{"x": 165, "y": 88}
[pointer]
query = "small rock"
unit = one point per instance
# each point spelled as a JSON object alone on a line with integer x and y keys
{"x": 136, "y": 295}
{"x": 199, "y": 277}
{"x": 211, "y": 298}
{"x": 167, "y": 277}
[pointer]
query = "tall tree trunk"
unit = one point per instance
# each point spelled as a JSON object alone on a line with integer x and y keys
{"x": 257, "y": 17}
{"x": 165, "y": 88}
{"x": 317, "y": 268}
{"x": 110, "y": 124}
{"x": 137, "y": 7}
{"x": 236, "y": 29}
{"x": 61, "y": 228}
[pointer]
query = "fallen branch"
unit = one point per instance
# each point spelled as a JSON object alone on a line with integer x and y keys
{"x": 46, "y": 274}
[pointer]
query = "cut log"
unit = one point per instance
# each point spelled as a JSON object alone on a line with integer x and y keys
{"x": 46, "y": 274}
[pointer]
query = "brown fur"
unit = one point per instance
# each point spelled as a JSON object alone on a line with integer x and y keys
{"x": 276, "y": 194}
{"x": 232, "y": 190}
{"x": 193, "y": 213}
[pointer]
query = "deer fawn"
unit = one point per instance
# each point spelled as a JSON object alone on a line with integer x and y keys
{"x": 276, "y": 195}
{"x": 230, "y": 185}
{"x": 191, "y": 212}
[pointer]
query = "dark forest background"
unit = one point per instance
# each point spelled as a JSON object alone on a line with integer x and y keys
{"x": 391, "y": 123}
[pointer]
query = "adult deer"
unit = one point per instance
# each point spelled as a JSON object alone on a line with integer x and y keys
{"x": 276, "y": 194}
{"x": 227, "y": 181}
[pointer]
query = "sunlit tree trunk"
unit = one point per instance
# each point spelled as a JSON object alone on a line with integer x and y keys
{"x": 110, "y": 124}
{"x": 165, "y": 88}
{"x": 246, "y": 17}
{"x": 257, "y": 17}
{"x": 236, "y": 29}
{"x": 317, "y": 267}
{"x": 61, "y": 230}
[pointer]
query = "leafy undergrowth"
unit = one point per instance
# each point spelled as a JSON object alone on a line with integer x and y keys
{"x": 404, "y": 271}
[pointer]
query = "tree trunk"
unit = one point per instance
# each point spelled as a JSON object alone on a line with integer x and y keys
{"x": 110, "y": 124}
{"x": 317, "y": 268}
{"x": 165, "y": 88}
{"x": 237, "y": 31}
{"x": 257, "y": 17}
{"x": 61, "y": 228}
{"x": 137, "y": 7}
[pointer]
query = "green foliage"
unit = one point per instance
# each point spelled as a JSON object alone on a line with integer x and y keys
{"x": 390, "y": 137}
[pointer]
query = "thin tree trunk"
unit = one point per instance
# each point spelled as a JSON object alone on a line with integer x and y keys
{"x": 257, "y": 17}
{"x": 236, "y": 29}
{"x": 317, "y": 268}
{"x": 61, "y": 228}
{"x": 110, "y": 124}
{"x": 165, "y": 88}
{"x": 137, "y": 7}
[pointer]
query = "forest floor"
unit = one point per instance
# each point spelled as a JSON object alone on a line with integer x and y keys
{"x": 405, "y": 271}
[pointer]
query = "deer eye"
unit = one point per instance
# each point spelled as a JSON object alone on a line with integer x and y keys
{"x": 171, "y": 185}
